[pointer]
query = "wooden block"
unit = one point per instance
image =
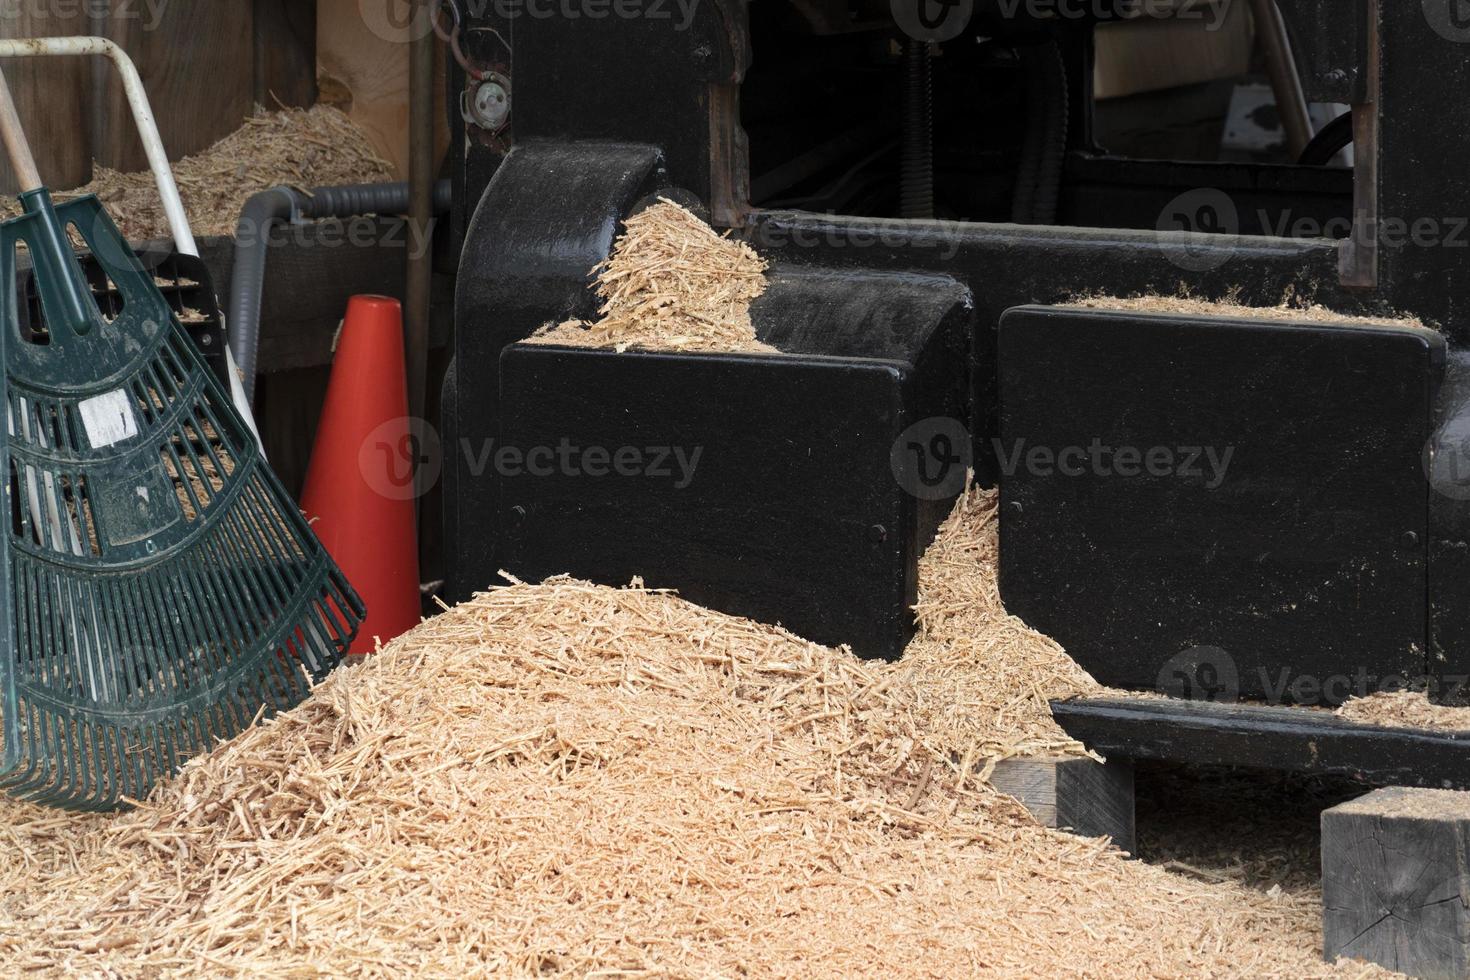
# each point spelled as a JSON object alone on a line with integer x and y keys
{"x": 1396, "y": 881}
{"x": 198, "y": 66}
{"x": 1091, "y": 799}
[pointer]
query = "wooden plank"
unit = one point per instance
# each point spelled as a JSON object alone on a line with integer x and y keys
{"x": 52, "y": 97}
{"x": 1396, "y": 881}
{"x": 198, "y": 66}
{"x": 1259, "y": 737}
{"x": 285, "y": 53}
{"x": 1088, "y": 798}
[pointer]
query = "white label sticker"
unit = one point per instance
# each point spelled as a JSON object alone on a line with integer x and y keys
{"x": 109, "y": 419}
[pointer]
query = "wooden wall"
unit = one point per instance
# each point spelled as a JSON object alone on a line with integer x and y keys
{"x": 205, "y": 64}
{"x": 363, "y": 52}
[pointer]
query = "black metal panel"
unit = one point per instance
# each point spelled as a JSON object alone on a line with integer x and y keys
{"x": 1330, "y": 42}
{"x": 1287, "y": 739}
{"x": 657, "y": 72}
{"x": 1011, "y": 265}
{"x": 794, "y": 510}
{"x": 1245, "y": 495}
{"x": 549, "y": 215}
{"x": 791, "y": 514}
{"x": 1448, "y": 461}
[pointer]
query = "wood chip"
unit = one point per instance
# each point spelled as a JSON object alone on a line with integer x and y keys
{"x": 671, "y": 284}
{"x": 563, "y": 778}
{"x": 300, "y": 148}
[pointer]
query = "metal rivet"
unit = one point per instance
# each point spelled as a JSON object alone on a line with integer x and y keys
{"x": 1410, "y": 539}
{"x": 878, "y": 533}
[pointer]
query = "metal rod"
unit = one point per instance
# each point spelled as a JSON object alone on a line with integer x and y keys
{"x": 421, "y": 216}
{"x": 1286, "y": 83}
{"x": 17, "y": 147}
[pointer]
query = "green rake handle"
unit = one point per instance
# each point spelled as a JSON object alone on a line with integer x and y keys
{"x": 64, "y": 295}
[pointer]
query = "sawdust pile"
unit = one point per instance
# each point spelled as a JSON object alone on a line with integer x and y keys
{"x": 1292, "y": 307}
{"x": 1405, "y": 709}
{"x": 982, "y": 678}
{"x": 672, "y": 284}
{"x": 300, "y": 148}
{"x": 566, "y": 778}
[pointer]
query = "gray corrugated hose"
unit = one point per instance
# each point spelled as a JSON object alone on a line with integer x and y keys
{"x": 285, "y": 204}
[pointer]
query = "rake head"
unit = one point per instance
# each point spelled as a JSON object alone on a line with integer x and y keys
{"x": 165, "y": 590}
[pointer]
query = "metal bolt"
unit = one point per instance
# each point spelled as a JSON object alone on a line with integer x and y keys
{"x": 1410, "y": 539}
{"x": 491, "y": 105}
{"x": 878, "y": 533}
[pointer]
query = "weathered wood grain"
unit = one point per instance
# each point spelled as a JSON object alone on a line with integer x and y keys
{"x": 197, "y": 60}
{"x": 1396, "y": 881}
{"x": 1092, "y": 799}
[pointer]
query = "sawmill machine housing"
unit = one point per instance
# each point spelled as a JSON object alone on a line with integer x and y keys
{"x": 1259, "y": 514}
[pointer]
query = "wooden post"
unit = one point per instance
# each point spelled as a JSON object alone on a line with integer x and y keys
{"x": 1396, "y": 881}
{"x": 1091, "y": 799}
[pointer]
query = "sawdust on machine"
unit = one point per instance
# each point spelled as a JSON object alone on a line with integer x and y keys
{"x": 301, "y": 148}
{"x": 566, "y": 778}
{"x": 1293, "y": 307}
{"x": 1405, "y": 709}
{"x": 671, "y": 283}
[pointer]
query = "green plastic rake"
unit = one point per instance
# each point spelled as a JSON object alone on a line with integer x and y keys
{"x": 165, "y": 592}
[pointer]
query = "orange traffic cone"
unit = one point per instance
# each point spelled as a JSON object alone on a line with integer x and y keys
{"x": 360, "y": 486}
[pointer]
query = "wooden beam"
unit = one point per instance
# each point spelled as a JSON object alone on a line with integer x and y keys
{"x": 1396, "y": 881}
{"x": 198, "y": 66}
{"x": 1089, "y": 798}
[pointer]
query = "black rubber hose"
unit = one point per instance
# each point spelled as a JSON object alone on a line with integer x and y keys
{"x": 284, "y": 204}
{"x": 1331, "y": 140}
{"x": 1038, "y": 188}
{"x": 916, "y": 189}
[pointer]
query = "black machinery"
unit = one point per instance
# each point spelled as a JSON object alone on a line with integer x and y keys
{"x": 1238, "y": 511}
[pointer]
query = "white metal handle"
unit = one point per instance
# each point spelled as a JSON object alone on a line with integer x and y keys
{"x": 168, "y": 189}
{"x": 163, "y": 174}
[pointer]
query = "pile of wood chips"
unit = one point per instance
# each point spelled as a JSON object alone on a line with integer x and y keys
{"x": 301, "y": 148}
{"x": 564, "y": 778}
{"x": 671, "y": 283}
